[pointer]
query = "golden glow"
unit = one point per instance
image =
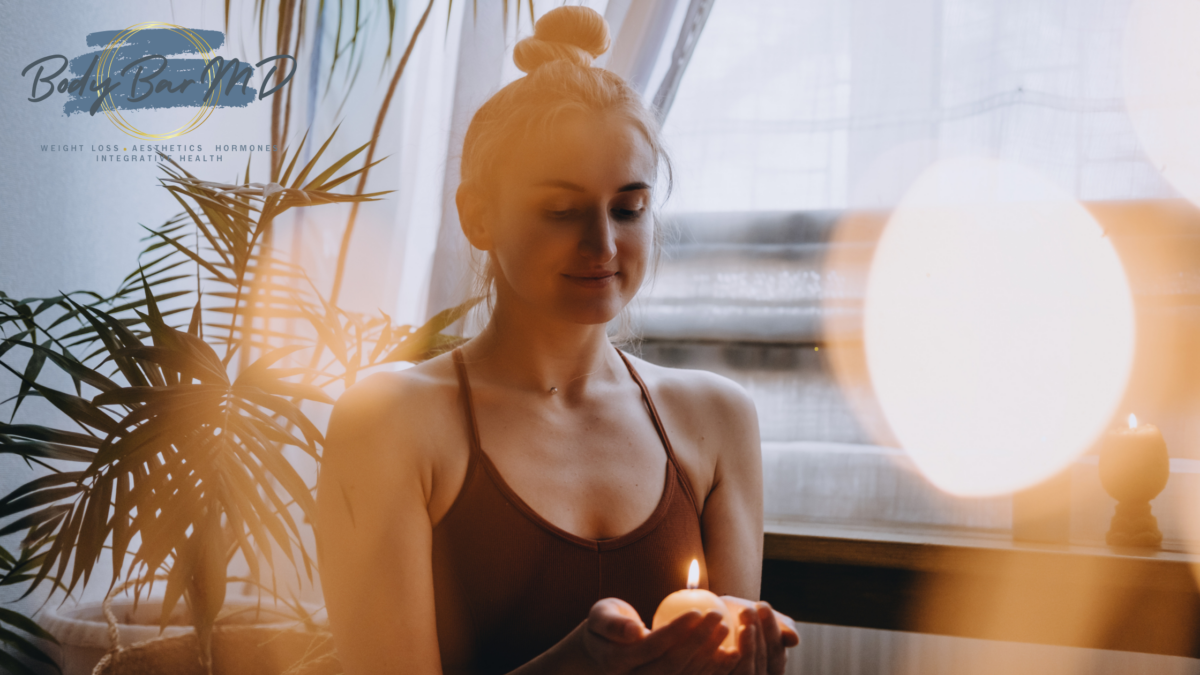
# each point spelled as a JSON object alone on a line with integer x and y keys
{"x": 694, "y": 574}
{"x": 1161, "y": 83}
{"x": 1132, "y": 421}
{"x": 998, "y": 327}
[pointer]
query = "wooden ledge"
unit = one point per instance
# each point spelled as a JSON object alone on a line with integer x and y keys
{"x": 984, "y": 585}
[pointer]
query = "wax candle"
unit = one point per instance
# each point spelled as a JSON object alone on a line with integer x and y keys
{"x": 1134, "y": 467}
{"x": 681, "y": 602}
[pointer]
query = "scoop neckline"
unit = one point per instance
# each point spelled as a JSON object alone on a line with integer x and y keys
{"x": 480, "y": 456}
{"x": 648, "y": 525}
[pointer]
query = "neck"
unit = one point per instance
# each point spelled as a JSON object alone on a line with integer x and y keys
{"x": 536, "y": 354}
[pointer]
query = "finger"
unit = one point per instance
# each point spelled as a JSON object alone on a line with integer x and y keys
{"x": 727, "y": 661}
{"x": 760, "y": 648}
{"x": 776, "y": 654}
{"x": 747, "y": 646}
{"x": 616, "y": 620}
{"x": 744, "y": 611}
{"x": 660, "y": 640}
{"x": 737, "y": 605}
{"x": 750, "y": 617}
{"x": 787, "y": 628}
{"x": 676, "y": 657}
{"x": 708, "y": 659}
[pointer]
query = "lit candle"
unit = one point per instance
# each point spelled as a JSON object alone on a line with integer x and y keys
{"x": 1134, "y": 467}
{"x": 681, "y": 602}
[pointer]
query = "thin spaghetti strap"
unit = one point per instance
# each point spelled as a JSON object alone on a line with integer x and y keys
{"x": 464, "y": 385}
{"x": 658, "y": 426}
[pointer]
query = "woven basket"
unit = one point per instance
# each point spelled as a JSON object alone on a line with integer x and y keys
{"x": 236, "y": 650}
{"x": 251, "y": 647}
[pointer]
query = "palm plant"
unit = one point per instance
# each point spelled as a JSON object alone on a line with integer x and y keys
{"x": 176, "y": 453}
{"x": 16, "y": 570}
{"x": 348, "y": 53}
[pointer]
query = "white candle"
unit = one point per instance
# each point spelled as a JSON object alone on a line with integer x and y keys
{"x": 681, "y": 602}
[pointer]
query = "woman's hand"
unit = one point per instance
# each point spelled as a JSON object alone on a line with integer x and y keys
{"x": 765, "y": 637}
{"x": 616, "y": 640}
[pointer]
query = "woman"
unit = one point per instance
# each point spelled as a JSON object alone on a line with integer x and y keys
{"x": 524, "y": 503}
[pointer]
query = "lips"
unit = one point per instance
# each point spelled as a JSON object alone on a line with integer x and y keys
{"x": 598, "y": 279}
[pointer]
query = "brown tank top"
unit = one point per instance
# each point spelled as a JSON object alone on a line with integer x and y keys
{"x": 509, "y": 584}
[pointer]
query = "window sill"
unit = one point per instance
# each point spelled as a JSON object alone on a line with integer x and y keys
{"x": 984, "y": 585}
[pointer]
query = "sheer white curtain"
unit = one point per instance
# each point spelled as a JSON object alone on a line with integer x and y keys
{"x": 392, "y": 245}
{"x": 814, "y": 105}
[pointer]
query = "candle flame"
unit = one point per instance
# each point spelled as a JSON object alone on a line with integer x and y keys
{"x": 1132, "y": 421}
{"x": 694, "y": 574}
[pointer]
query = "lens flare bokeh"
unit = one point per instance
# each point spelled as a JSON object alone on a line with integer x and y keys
{"x": 998, "y": 326}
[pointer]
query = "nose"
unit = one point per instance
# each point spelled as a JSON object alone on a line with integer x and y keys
{"x": 598, "y": 241}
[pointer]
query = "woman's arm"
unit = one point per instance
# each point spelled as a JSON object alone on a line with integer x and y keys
{"x": 733, "y": 509}
{"x": 733, "y": 522}
{"x": 721, "y": 417}
{"x": 374, "y": 537}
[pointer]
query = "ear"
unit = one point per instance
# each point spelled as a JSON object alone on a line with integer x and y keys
{"x": 472, "y": 216}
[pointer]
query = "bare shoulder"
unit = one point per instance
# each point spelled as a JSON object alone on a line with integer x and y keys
{"x": 394, "y": 414}
{"x": 711, "y": 408}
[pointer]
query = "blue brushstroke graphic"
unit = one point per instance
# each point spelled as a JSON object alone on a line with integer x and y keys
{"x": 158, "y": 82}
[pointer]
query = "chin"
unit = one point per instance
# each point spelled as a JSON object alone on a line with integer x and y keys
{"x": 591, "y": 313}
{"x": 592, "y": 318}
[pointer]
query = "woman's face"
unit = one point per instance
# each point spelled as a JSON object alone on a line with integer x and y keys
{"x": 569, "y": 229}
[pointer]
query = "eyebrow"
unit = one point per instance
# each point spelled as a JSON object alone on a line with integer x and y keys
{"x": 566, "y": 185}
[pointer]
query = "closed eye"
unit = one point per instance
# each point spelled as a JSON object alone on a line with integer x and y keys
{"x": 628, "y": 214}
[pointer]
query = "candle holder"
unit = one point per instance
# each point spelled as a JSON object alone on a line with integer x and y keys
{"x": 1134, "y": 468}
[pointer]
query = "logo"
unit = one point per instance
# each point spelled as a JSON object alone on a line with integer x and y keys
{"x": 152, "y": 66}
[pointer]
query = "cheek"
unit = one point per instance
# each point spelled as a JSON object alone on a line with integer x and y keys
{"x": 637, "y": 251}
{"x": 525, "y": 251}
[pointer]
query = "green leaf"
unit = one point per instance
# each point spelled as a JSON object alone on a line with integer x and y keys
{"x": 114, "y": 336}
{"x": 188, "y": 252}
{"x": 33, "y": 368}
{"x": 179, "y": 361}
{"x": 282, "y": 407}
{"x": 318, "y": 182}
{"x": 34, "y": 500}
{"x": 20, "y": 621}
{"x": 9, "y": 664}
{"x": 46, "y": 450}
{"x": 32, "y": 520}
{"x": 256, "y": 369}
{"x": 40, "y": 433}
{"x": 41, "y": 483}
{"x": 315, "y": 158}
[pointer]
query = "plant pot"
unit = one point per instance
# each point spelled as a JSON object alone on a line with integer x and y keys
{"x": 253, "y": 639}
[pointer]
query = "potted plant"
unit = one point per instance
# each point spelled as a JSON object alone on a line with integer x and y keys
{"x": 184, "y": 395}
{"x": 183, "y": 398}
{"x": 17, "y": 631}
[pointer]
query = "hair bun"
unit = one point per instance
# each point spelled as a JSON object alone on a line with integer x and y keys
{"x": 571, "y": 33}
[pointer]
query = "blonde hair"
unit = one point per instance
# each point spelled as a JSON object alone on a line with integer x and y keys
{"x": 559, "y": 80}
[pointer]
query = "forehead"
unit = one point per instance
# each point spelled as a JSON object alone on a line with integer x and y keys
{"x": 599, "y": 151}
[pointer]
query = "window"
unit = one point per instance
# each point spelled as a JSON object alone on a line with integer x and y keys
{"x": 794, "y": 117}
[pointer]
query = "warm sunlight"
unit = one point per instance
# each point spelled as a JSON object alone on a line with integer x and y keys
{"x": 998, "y": 326}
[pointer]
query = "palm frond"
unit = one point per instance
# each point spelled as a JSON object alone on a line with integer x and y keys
{"x": 18, "y": 633}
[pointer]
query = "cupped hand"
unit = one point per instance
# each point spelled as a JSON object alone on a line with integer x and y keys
{"x": 764, "y": 636}
{"x": 615, "y": 638}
